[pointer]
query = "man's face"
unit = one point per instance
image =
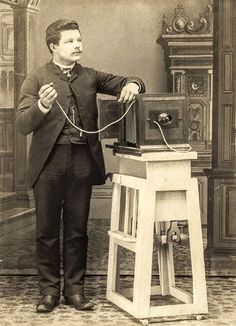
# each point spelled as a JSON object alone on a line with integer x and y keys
{"x": 69, "y": 48}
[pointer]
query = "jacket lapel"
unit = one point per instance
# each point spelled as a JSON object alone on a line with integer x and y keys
{"x": 75, "y": 83}
{"x": 55, "y": 70}
{"x": 62, "y": 88}
{"x": 76, "y": 72}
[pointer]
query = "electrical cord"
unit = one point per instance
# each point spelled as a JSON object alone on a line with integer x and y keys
{"x": 167, "y": 144}
{"x": 95, "y": 131}
{"x": 118, "y": 120}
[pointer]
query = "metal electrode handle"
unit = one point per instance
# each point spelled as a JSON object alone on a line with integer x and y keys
{"x": 165, "y": 119}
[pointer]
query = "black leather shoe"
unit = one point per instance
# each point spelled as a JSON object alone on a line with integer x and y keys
{"x": 47, "y": 303}
{"x": 79, "y": 302}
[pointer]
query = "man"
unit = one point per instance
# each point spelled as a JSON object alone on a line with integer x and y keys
{"x": 64, "y": 162}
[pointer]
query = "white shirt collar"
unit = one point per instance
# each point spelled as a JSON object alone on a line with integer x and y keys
{"x": 62, "y": 66}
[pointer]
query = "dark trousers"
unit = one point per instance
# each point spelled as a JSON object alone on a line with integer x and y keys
{"x": 62, "y": 193}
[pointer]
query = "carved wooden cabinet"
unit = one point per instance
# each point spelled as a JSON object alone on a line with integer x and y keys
{"x": 188, "y": 52}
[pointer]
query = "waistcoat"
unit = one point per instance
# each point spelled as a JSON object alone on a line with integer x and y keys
{"x": 69, "y": 134}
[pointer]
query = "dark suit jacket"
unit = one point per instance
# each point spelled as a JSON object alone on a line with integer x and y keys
{"x": 85, "y": 83}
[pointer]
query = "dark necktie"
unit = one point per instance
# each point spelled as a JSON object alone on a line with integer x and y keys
{"x": 67, "y": 72}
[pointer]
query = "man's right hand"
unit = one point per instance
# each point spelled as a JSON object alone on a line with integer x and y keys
{"x": 47, "y": 95}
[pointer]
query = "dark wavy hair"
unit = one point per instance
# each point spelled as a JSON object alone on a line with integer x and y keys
{"x": 53, "y": 32}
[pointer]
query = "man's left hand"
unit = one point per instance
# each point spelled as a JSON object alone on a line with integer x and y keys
{"x": 128, "y": 92}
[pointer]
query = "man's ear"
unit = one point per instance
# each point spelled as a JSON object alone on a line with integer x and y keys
{"x": 52, "y": 47}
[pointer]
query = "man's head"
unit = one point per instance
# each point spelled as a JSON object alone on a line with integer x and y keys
{"x": 64, "y": 41}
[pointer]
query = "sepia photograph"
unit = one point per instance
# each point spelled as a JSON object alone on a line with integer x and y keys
{"x": 117, "y": 162}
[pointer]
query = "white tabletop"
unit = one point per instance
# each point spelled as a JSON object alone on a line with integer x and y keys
{"x": 160, "y": 156}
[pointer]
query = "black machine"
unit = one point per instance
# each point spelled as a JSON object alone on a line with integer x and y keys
{"x": 152, "y": 123}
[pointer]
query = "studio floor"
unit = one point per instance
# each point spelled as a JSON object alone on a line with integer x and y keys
{"x": 19, "y": 294}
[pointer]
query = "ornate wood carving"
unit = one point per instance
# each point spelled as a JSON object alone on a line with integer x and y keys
{"x": 196, "y": 122}
{"x": 181, "y": 24}
{"x": 189, "y": 58}
{"x": 197, "y": 84}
